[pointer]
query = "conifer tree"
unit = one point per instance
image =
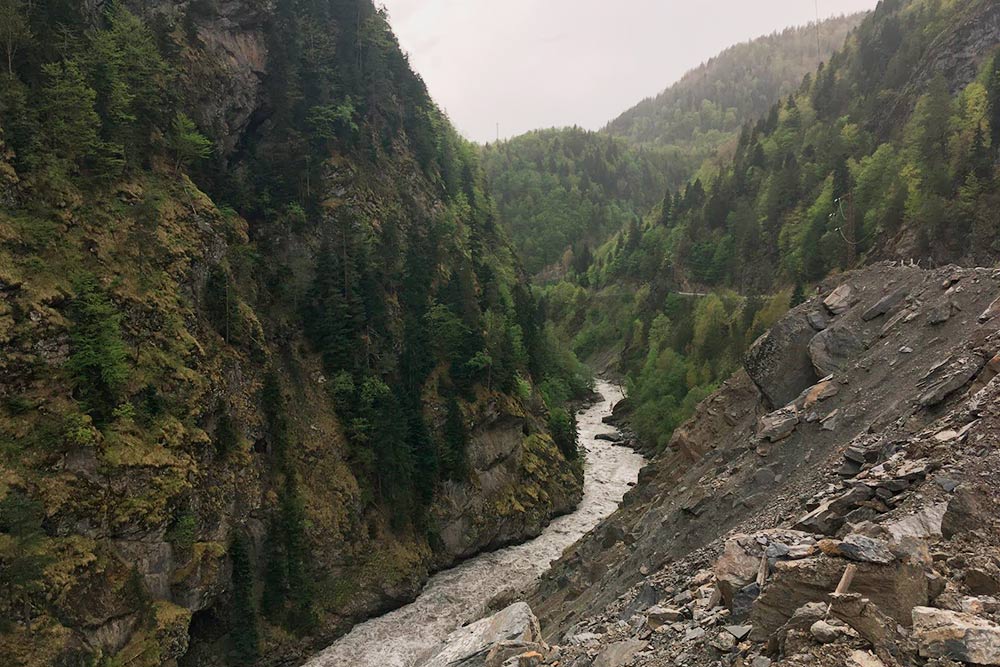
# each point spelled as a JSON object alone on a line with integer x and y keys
{"x": 454, "y": 441}
{"x": 243, "y": 626}
{"x": 562, "y": 426}
{"x": 71, "y": 122}
{"x": 187, "y": 143}
{"x": 980, "y": 161}
{"x": 332, "y": 312}
{"x": 798, "y": 294}
{"x": 666, "y": 210}
{"x": 97, "y": 358}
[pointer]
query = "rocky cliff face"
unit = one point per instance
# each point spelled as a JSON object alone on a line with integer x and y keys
{"x": 131, "y": 523}
{"x": 855, "y": 524}
{"x": 957, "y": 55}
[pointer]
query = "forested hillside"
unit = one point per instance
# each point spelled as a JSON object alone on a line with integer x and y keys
{"x": 562, "y": 192}
{"x": 710, "y": 103}
{"x": 261, "y": 335}
{"x": 887, "y": 151}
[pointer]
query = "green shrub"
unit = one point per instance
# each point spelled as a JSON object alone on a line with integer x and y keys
{"x": 183, "y": 532}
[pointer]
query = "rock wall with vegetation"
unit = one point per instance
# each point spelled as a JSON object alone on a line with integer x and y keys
{"x": 267, "y": 359}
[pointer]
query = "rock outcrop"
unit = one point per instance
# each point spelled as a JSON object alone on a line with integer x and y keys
{"x": 490, "y": 642}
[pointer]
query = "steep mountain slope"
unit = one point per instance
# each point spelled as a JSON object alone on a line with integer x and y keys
{"x": 256, "y": 385}
{"x": 711, "y": 102}
{"x": 882, "y": 465}
{"x": 822, "y": 183}
{"x": 872, "y": 155}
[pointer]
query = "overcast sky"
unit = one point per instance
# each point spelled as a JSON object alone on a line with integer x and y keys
{"x": 529, "y": 64}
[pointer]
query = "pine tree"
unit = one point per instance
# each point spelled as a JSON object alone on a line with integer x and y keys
{"x": 388, "y": 439}
{"x": 187, "y": 143}
{"x": 332, "y": 312}
{"x": 562, "y": 426}
{"x": 272, "y": 401}
{"x": 798, "y": 294}
{"x": 98, "y": 357}
{"x": 666, "y": 210}
{"x": 454, "y": 442}
{"x": 289, "y": 592}
{"x": 979, "y": 156}
{"x": 71, "y": 123}
{"x": 243, "y": 626}
{"x": 426, "y": 463}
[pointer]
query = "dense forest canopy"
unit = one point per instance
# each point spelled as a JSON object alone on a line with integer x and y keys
{"x": 561, "y": 193}
{"x": 712, "y": 101}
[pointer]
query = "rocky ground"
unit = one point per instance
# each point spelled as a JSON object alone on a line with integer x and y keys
{"x": 835, "y": 504}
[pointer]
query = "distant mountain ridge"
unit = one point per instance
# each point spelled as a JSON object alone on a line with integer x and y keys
{"x": 740, "y": 83}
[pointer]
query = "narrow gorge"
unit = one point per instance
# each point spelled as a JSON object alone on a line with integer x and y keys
{"x": 409, "y": 636}
{"x": 295, "y": 374}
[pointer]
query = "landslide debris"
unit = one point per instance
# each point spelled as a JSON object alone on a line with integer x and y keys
{"x": 858, "y": 524}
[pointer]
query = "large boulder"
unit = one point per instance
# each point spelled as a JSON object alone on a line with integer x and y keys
{"x": 778, "y": 362}
{"x": 965, "y": 512}
{"x": 737, "y": 566}
{"x": 895, "y": 588}
{"x": 925, "y": 524}
{"x": 473, "y": 645}
{"x": 619, "y": 654}
{"x": 831, "y": 350}
{"x": 840, "y": 300}
{"x": 951, "y": 634}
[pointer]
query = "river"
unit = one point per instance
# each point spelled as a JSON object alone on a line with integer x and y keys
{"x": 459, "y": 595}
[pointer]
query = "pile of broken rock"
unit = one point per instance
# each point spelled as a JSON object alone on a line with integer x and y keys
{"x": 886, "y": 554}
